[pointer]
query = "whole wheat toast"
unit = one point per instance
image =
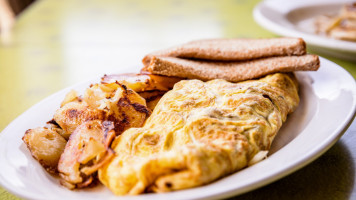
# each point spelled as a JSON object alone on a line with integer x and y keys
{"x": 230, "y": 71}
{"x": 233, "y": 49}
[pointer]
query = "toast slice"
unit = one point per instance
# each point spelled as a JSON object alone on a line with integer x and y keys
{"x": 233, "y": 49}
{"x": 230, "y": 71}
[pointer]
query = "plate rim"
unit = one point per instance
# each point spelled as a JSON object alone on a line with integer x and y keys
{"x": 303, "y": 161}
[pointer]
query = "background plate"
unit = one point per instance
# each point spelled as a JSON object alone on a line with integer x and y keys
{"x": 327, "y": 107}
{"x": 295, "y": 19}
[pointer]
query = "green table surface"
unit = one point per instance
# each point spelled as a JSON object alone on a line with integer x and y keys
{"x": 55, "y": 44}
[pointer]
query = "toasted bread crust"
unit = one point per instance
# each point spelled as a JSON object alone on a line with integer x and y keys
{"x": 231, "y": 71}
{"x": 233, "y": 49}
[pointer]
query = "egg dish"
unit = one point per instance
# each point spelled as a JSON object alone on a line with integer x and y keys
{"x": 199, "y": 132}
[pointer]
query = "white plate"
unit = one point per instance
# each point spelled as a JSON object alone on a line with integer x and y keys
{"x": 328, "y": 104}
{"x": 295, "y": 19}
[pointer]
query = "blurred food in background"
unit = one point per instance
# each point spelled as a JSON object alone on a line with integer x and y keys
{"x": 341, "y": 26}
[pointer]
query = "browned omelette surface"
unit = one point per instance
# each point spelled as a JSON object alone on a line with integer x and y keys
{"x": 199, "y": 132}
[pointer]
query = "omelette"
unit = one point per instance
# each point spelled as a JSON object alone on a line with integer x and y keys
{"x": 200, "y": 132}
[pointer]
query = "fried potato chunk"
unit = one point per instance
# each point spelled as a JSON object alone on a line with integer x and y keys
{"x": 150, "y": 87}
{"x": 122, "y": 105}
{"x": 46, "y": 146}
{"x": 71, "y": 96}
{"x": 107, "y": 101}
{"x": 142, "y": 82}
{"x": 72, "y": 114}
{"x": 87, "y": 149}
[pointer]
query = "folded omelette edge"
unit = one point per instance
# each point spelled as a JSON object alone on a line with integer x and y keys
{"x": 200, "y": 132}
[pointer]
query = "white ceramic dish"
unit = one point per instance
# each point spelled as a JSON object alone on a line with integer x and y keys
{"x": 328, "y": 104}
{"x": 295, "y": 19}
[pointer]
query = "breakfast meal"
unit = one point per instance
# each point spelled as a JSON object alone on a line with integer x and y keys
{"x": 341, "y": 26}
{"x": 194, "y": 114}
